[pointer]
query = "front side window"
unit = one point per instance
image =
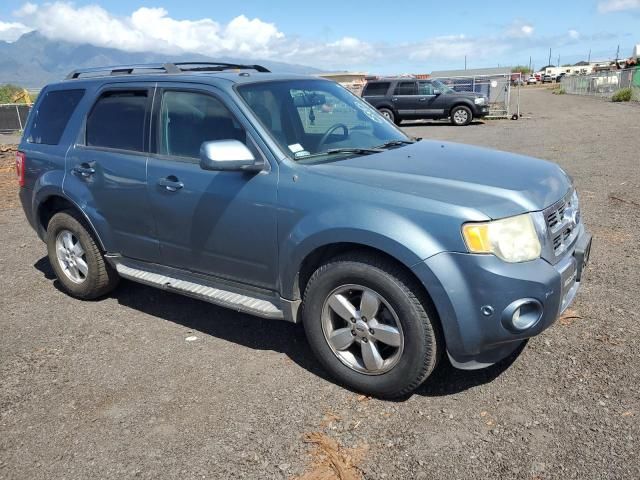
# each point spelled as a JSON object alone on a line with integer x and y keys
{"x": 187, "y": 119}
{"x": 314, "y": 118}
{"x": 52, "y": 116}
{"x": 117, "y": 121}
{"x": 425, "y": 88}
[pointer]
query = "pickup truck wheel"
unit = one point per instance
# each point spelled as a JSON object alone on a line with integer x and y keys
{"x": 76, "y": 258}
{"x": 388, "y": 114}
{"x": 461, "y": 116}
{"x": 366, "y": 325}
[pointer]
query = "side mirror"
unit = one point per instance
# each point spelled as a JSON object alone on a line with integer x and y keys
{"x": 436, "y": 91}
{"x": 228, "y": 155}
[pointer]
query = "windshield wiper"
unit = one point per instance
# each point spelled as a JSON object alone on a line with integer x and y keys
{"x": 333, "y": 151}
{"x": 395, "y": 143}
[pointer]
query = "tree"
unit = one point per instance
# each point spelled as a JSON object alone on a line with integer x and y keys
{"x": 13, "y": 94}
{"x": 524, "y": 70}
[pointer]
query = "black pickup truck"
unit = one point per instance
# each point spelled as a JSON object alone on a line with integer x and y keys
{"x": 410, "y": 99}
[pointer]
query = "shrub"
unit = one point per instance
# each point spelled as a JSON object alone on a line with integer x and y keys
{"x": 559, "y": 90}
{"x": 622, "y": 95}
{"x": 8, "y": 93}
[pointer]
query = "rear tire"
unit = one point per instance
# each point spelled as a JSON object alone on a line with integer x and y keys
{"x": 461, "y": 116}
{"x": 76, "y": 258}
{"x": 389, "y": 115}
{"x": 401, "y": 331}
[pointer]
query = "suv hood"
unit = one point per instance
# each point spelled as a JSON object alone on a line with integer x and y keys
{"x": 497, "y": 184}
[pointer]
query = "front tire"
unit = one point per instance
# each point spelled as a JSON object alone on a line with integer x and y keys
{"x": 366, "y": 323}
{"x": 461, "y": 116}
{"x": 76, "y": 258}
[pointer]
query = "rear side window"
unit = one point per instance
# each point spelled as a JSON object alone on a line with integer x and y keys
{"x": 406, "y": 88}
{"x": 117, "y": 120}
{"x": 52, "y": 116}
{"x": 376, "y": 88}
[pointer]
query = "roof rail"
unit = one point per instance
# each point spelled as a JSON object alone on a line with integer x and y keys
{"x": 163, "y": 68}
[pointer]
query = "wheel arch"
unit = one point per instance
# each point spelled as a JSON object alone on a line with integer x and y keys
{"x": 50, "y": 204}
{"x": 461, "y": 103}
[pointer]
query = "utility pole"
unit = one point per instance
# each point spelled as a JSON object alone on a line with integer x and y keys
{"x": 549, "y": 62}
{"x": 530, "y": 71}
{"x": 465, "y": 62}
{"x": 589, "y": 59}
{"x": 617, "y": 53}
{"x": 558, "y": 60}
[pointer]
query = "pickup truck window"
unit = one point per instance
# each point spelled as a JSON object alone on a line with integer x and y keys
{"x": 117, "y": 121}
{"x": 187, "y": 119}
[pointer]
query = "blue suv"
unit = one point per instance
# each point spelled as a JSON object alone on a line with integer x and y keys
{"x": 289, "y": 198}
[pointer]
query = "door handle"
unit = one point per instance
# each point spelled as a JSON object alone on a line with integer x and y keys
{"x": 423, "y": 99}
{"x": 171, "y": 183}
{"x": 84, "y": 169}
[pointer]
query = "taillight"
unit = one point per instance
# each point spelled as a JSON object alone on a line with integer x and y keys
{"x": 20, "y": 167}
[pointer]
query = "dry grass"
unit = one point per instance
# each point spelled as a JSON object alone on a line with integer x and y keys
{"x": 331, "y": 461}
{"x": 8, "y": 183}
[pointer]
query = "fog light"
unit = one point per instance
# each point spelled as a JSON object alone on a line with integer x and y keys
{"x": 522, "y": 314}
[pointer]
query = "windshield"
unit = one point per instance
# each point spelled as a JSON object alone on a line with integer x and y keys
{"x": 442, "y": 87}
{"x": 314, "y": 119}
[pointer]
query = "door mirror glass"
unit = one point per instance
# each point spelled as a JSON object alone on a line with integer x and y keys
{"x": 227, "y": 155}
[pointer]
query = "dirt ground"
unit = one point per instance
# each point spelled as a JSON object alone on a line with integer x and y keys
{"x": 148, "y": 384}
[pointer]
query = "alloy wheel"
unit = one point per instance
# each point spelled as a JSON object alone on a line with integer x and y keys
{"x": 71, "y": 256}
{"x": 362, "y": 329}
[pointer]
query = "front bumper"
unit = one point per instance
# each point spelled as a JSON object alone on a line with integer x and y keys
{"x": 473, "y": 292}
{"x": 481, "y": 110}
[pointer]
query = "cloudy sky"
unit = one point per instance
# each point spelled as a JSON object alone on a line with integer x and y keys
{"x": 338, "y": 34}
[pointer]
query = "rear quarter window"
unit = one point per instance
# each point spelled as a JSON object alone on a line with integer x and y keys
{"x": 52, "y": 115}
{"x": 377, "y": 88}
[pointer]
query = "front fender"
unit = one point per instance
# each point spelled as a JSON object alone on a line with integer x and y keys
{"x": 387, "y": 231}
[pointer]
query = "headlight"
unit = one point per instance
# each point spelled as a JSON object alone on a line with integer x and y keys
{"x": 479, "y": 101}
{"x": 512, "y": 239}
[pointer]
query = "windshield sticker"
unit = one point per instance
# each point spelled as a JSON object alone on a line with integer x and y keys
{"x": 302, "y": 153}
{"x": 296, "y": 147}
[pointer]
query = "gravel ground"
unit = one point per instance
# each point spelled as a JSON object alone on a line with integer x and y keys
{"x": 113, "y": 389}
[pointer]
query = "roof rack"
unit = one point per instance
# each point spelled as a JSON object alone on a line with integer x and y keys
{"x": 177, "y": 67}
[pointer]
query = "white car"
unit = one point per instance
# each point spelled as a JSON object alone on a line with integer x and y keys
{"x": 532, "y": 80}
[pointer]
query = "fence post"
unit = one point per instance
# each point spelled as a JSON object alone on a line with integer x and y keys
{"x": 19, "y": 119}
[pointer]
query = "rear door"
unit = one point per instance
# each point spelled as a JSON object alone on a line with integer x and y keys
{"x": 106, "y": 169}
{"x": 220, "y": 223}
{"x": 405, "y": 98}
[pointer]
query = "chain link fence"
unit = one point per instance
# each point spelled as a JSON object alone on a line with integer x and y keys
{"x": 13, "y": 117}
{"x": 502, "y": 90}
{"x": 603, "y": 84}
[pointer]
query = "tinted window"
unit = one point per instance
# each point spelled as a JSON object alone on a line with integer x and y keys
{"x": 52, "y": 116}
{"x": 188, "y": 119}
{"x": 376, "y": 88}
{"x": 425, "y": 88}
{"x": 117, "y": 121}
{"x": 406, "y": 88}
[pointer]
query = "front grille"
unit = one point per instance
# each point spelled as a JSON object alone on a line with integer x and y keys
{"x": 562, "y": 220}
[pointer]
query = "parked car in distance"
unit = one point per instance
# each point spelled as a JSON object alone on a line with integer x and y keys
{"x": 547, "y": 78}
{"x": 290, "y": 198}
{"x": 538, "y": 76}
{"x": 410, "y": 99}
{"x": 532, "y": 80}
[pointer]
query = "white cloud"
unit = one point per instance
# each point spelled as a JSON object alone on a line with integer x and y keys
{"x": 574, "y": 34}
{"x": 11, "y": 31}
{"x": 520, "y": 29}
{"x": 150, "y": 29}
{"x": 608, "y": 6}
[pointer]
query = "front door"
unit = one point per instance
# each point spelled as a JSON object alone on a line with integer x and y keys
{"x": 218, "y": 223}
{"x": 106, "y": 171}
{"x": 429, "y": 104}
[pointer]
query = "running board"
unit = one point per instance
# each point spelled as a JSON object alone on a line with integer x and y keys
{"x": 235, "y": 301}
